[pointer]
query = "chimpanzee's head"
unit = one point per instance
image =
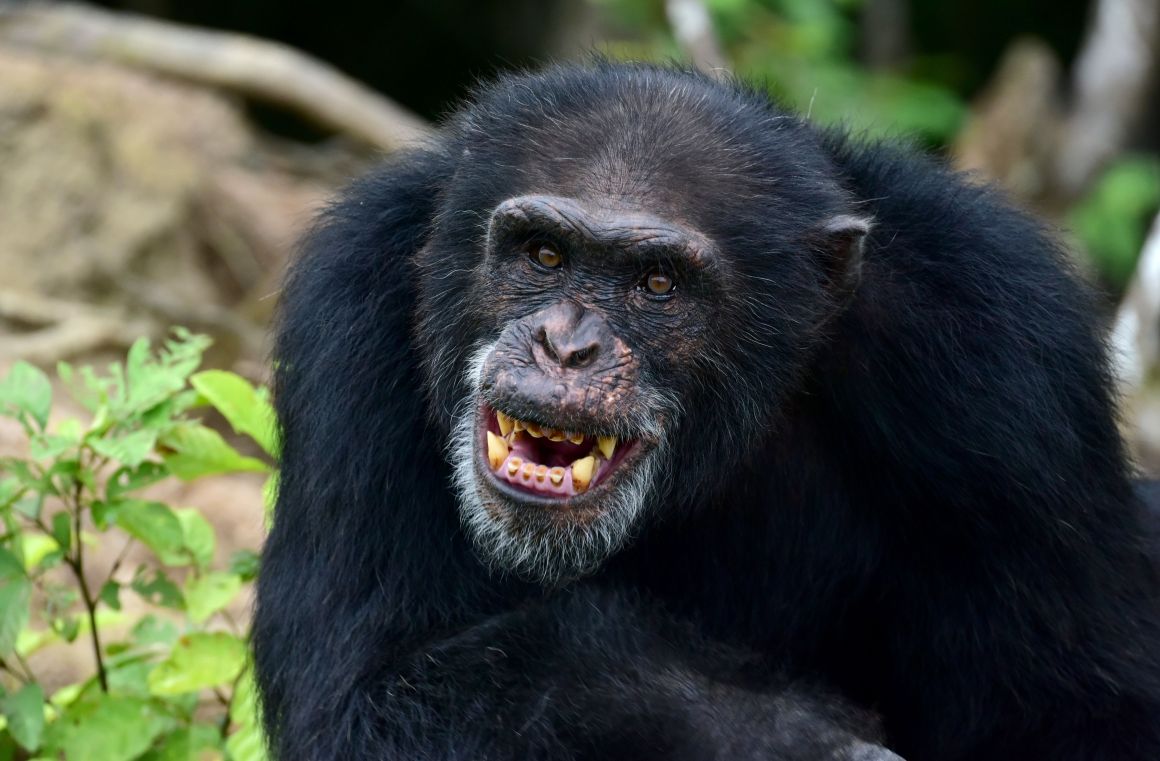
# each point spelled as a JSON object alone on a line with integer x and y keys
{"x": 627, "y": 280}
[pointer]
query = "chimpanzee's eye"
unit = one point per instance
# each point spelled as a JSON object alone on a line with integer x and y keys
{"x": 546, "y": 256}
{"x": 658, "y": 283}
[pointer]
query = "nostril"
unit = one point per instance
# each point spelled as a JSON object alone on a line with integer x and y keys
{"x": 543, "y": 339}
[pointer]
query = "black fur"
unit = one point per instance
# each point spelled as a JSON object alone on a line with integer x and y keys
{"x": 912, "y": 494}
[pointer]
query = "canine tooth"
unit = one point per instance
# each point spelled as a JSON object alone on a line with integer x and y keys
{"x": 557, "y": 475}
{"x": 575, "y": 438}
{"x": 541, "y": 471}
{"x": 533, "y": 429}
{"x": 528, "y": 469}
{"x": 514, "y": 465}
{"x": 607, "y": 445}
{"x": 497, "y": 450}
{"x": 505, "y": 423}
{"x": 582, "y": 472}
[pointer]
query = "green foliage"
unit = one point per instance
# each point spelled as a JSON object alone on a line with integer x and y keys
{"x": 171, "y": 682}
{"x": 1113, "y": 220}
{"x": 804, "y": 50}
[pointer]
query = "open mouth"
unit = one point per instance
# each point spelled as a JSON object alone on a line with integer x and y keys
{"x": 536, "y": 459}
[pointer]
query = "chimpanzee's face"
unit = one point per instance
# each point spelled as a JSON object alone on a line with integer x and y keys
{"x": 613, "y": 310}
{"x": 597, "y": 307}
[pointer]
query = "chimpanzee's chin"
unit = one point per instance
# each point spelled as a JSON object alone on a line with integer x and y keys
{"x": 549, "y": 503}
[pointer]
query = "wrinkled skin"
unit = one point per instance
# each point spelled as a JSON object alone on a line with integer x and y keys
{"x": 834, "y": 432}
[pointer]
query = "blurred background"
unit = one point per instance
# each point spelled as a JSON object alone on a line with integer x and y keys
{"x": 158, "y": 159}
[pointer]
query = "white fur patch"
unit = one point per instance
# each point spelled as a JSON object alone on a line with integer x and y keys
{"x": 541, "y": 544}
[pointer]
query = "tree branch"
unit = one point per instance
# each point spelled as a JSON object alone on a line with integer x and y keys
{"x": 256, "y": 68}
{"x": 693, "y": 29}
{"x": 1112, "y": 77}
{"x": 1136, "y": 337}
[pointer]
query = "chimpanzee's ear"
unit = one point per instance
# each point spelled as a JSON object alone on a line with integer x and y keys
{"x": 840, "y": 242}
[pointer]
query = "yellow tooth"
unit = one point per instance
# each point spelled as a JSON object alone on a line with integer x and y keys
{"x": 557, "y": 475}
{"x": 528, "y": 469}
{"x": 575, "y": 438}
{"x": 517, "y": 425}
{"x": 505, "y": 423}
{"x": 553, "y": 434}
{"x": 514, "y": 465}
{"x": 541, "y": 471}
{"x": 582, "y": 472}
{"x": 497, "y": 450}
{"x": 533, "y": 429}
{"x": 607, "y": 445}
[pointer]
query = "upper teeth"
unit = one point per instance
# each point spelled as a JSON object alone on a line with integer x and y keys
{"x": 497, "y": 450}
{"x": 606, "y": 445}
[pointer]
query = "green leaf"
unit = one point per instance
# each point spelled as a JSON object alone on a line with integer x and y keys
{"x": 197, "y": 536}
{"x": 158, "y": 589}
{"x": 79, "y": 388}
{"x": 151, "y": 630}
{"x": 199, "y": 451}
{"x": 129, "y": 449}
{"x": 10, "y": 490}
{"x": 68, "y": 435}
{"x": 64, "y": 475}
{"x": 110, "y": 594}
{"x": 103, "y": 727}
{"x": 148, "y": 382}
{"x": 68, "y": 628}
{"x": 24, "y": 710}
{"x": 105, "y": 513}
{"x": 26, "y": 389}
{"x": 129, "y": 673}
{"x": 270, "y": 498}
{"x": 198, "y": 661}
{"x": 47, "y": 447}
{"x": 188, "y": 744}
{"x": 15, "y": 591}
{"x": 247, "y": 743}
{"x": 245, "y": 563}
{"x": 1113, "y": 219}
{"x": 127, "y": 479}
{"x": 247, "y": 409}
{"x": 161, "y": 417}
{"x": 30, "y": 506}
{"x": 35, "y": 548}
{"x": 62, "y": 530}
{"x": 156, "y": 526}
{"x": 208, "y": 594}
{"x": 244, "y": 706}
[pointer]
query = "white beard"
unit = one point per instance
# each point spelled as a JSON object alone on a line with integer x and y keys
{"x": 542, "y": 544}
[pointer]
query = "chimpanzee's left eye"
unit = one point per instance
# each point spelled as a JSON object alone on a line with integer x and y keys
{"x": 658, "y": 283}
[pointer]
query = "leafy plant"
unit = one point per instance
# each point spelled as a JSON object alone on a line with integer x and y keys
{"x": 1112, "y": 221}
{"x": 171, "y": 681}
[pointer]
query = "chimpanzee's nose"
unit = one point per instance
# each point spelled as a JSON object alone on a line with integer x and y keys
{"x": 570, "y": 335}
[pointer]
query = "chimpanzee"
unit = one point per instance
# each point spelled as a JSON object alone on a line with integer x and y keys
{"x": 636, "y": 417}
